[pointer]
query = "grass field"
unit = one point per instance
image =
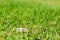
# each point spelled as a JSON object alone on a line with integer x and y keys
{"x": 40, "y": 17}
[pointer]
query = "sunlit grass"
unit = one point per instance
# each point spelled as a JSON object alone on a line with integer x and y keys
{"x": 40, "y": 17}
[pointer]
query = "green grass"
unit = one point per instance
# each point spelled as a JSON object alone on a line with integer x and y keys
{"x": 43, "y": 16}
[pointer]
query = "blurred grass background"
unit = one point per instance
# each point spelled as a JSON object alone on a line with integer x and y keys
{"x": 40, "y": 15}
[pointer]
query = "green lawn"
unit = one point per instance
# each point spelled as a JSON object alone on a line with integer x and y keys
{"x": 40, "y": 17}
